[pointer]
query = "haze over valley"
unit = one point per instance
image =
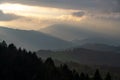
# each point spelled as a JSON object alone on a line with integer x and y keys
{"x": 60, "y": 39}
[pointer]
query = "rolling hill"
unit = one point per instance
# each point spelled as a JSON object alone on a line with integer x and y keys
{"x": 84, "y": 56}
{"x": 32, "y": 40}
{"x": 80, "y": 35}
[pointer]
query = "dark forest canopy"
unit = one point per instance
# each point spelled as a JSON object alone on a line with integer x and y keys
{"x": 20, "y": 64}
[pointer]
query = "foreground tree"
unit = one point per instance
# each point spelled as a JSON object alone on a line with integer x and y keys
{"x": 108, "y": 76}
{"x": 20, "y": 64}
{"x": 97, "y": 75}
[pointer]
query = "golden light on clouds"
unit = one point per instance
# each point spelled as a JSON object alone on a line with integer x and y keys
{"x": 12, "y": 7}
{"x": 36, "y": 11}
{"x": 36, "y": 17}
{"x": 26, "y": 24}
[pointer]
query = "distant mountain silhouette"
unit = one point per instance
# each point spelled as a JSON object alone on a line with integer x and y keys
{"x": 20, "y": 64}
{"x": 65, "y": 31}
{"x": 32, "y": 40}
{"x": 91, "y": 56}
{"x": 98, "y": 40}
{"x": 91, "y": 68}
{"x": 101, "y": 47}
{"x": 80, "y": 35}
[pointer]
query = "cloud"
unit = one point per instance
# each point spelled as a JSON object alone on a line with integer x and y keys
{"x": 110, "y": 6}
{"x": 73, "y": 4}
{"x": 104, "y": 10}
{"x": 46, "y": 13}
{"x": 78, "y": 14}
{"x": 112, "y": 16}
{"x": 91, "y": 6}
{"x": 117, "y": 8}
{"x": 6, "y": 17}
{"x": 66, "y": 4}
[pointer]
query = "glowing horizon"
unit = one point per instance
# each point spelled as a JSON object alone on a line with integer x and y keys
{"x": 37, "y": 11}
{"x": 37, "y": 17}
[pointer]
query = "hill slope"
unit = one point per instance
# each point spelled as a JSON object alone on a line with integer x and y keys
{"x": 32, "y": 40}
{"x": 80, "y": 35}
{"x": 84, "y": 56}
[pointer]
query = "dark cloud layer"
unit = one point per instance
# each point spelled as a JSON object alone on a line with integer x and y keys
{"x": 117, "y": 9}
{"x": 6, "y": 17}
{"x": 93, "y": 7}
{"x": 78, "y": 14}
{"x": 102, "y": 5}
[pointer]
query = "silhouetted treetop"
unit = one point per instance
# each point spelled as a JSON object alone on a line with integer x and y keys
{"x": 97, "y": 75}
{"x": 20, "y": 64}
{"x": 108, "y": 76}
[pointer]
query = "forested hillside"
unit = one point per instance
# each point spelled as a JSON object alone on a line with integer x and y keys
{"x": 19, "y": 64}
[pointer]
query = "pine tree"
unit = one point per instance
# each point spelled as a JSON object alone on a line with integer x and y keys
{"x": 97, "y": 75}
{"x": 76, "y": 75}
{"x": 3, "y": 44}
{"x": 87, "y": 77}
{"x": 49, "y": 62}
{"x": 108, "y": 76}
{"x": 82, "y": 76}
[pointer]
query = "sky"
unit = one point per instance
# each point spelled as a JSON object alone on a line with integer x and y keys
{"x": 97, "y": 15}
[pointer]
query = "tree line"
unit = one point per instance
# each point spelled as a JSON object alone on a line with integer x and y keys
{"x": 20, "y": 64}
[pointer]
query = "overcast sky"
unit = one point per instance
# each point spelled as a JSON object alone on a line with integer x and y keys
{"x": 98, "y": 15}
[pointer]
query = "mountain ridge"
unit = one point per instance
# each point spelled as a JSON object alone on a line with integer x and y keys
{"x": 85, "y": 56}
{"x": 80, "y": 35}
{"x": 32, "y": 40}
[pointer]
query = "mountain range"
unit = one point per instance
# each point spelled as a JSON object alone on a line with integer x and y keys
{"x": 80, "y": 35}
{"x": 85, "y": 51}
{"x": 32, "y": 40}
{"x": 56, "y": 37}
{"x": 91, "y": 56}
{"x": 90, "y": 49}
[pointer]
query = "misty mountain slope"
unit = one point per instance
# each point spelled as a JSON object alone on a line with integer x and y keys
{"x": 67, "y": 32}
{"x": 84, "y": 56}
{"x": 80, "y": 35}
{"x": 98, "y": 40}
{"x": 32, "y": 40}
{"x": 90, "y": 69}
{"x": 100, "y": 47}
